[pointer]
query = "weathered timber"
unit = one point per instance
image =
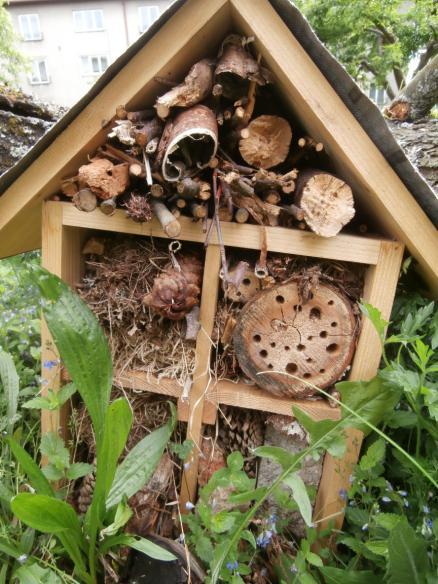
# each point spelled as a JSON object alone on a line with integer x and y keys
{"x": 85, "y": 200}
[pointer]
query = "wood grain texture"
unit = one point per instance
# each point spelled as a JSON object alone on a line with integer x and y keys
{"x": 363, "y": 250}
{"x": 201, "y": 374}
{"x": 357, "y": 159}
{"x": 61, "y": 255}
{"x": 380, "y": 285}
{"x": 169, "y": 53}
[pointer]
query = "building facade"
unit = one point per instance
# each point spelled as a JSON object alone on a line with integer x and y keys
{"x": 69, "y": 43}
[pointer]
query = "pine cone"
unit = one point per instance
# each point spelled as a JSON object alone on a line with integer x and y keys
{"x": 243, "y": 430}
{"x": 175, "y": 292}
{"x": 85, "y": 494}
{"x": 138, "y": 208}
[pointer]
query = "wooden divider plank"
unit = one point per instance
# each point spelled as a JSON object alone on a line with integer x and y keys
{"x": 201, "y": 375}
{"x": 380, "y": 286}
{"x": 61, "y": 255}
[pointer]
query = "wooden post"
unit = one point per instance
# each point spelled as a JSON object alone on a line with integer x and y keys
{"x": 198, "y": 391}
{"x": 380, "y": 285}
{"x": 61, "y": 255}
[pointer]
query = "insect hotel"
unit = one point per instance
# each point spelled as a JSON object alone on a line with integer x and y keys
{"x": 222, "y": 198}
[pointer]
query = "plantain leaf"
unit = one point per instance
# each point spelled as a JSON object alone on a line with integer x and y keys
{"x": 341, "y": 576}
{"x": 45, "y": 513}
{"x": 137, "y": 543}
{"x": 117, "y": 426}
{"x": 140, "y": 463}
{"x": 30, "y": 467}
{"x": 10, "y": 382}
{"x": 81, "y": 343}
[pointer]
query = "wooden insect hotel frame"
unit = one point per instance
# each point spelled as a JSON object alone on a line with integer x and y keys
{"x": 64, "y": 231}
{"x": 179, "y": 39}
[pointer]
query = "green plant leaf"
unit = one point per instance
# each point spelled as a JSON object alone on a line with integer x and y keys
{"x": 34, "y": 574}
{"x": 378, "y": 547}
{"x": 52, "y": 473}
{"x": 222, "y": 522}
{"x": 78, "y": 470}
{"x": 140, "y": 463}
{"x": 280, "y": 455}
{"x": 314, "y": 560}
{"x": 387, "y": 520}
{"x": 10, "y": 382}
{"x": 235, "y": 461}
{"x": 323, "y": 431}
{"x": 339, "y": 576}
{"x": 204, "y": 548}
{"x": 44, "y": 513}
{"x": 53, "y": 447}
{"x": 249, "y": 537}
{"x": 375, "y": 317}
{"x": 300, "y": 495}
{"x": 117, "y": 425}
{"x": 137, "y": 543}
{"x": 407, "y": 556}
{"x": 122, "y": 516}
{"x": 7, "y": 548}
{"x": 32, "y": 470}
{"x": 374, "y": 455}
{"x": 81, "y": 344}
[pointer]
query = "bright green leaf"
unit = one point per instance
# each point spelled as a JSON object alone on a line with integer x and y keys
{"x": 300, "y": 495}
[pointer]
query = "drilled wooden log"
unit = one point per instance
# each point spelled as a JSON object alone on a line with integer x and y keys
{"x": 198, "y": 211}
{"x": 196, "y": 86}
{"x": 327, "y": 201}
{"x": 188, "y": 143}
{"x": 314, "y": 342}
{"x": 241, "y": 215}
{"x": 188, "y": 188}
{"x": 243, "y": 283}
{"x": 267, "y": 141}
{"x": 85, "y": 200}
{"x": 108, "y": 207}
{"x": 236, "y": 68}
{"x": 168, "y": 221}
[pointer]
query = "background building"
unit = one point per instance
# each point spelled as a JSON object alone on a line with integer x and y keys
{"x": 70, "y": 43}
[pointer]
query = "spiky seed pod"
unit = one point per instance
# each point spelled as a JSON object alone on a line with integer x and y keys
{"x": 242, "y": 430}
{"x": 138, "y": 208}
{"x": 175, "y": 292}
{"x": 85, "y": 494}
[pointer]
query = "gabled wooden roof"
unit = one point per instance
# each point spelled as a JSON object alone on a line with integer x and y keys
{"x": 316, "y": 87}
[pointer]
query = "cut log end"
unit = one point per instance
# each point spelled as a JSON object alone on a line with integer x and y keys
{"x": 85, "y": 200}
{"x": 265, "y": 142}
{"x": 327, "y": 202}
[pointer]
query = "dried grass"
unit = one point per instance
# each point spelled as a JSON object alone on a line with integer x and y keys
{"x": 114, "y": 287}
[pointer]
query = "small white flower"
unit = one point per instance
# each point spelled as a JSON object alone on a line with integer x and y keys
{"x": 186, "y": 465}
{"x": 189, "y": 506}
{"x": 23, "y": 558}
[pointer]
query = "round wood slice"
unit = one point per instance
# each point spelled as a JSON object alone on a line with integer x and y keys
{"x": 266, "y": 141}
{"x": 313, "y": 341}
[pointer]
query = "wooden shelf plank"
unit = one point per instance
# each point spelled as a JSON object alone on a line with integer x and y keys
{"x": 231, "y": 394}
{"x": 362, "y": 250}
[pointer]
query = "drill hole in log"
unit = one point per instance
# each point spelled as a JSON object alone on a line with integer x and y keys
{"x": 287, "y": 348}
{"x": 332, "y": 348}
{"x": 300, "y": 347}
{"x": 257, "y": 338}
{"x": 315, "y": 312}
{"x": 264, "y": 353}
{"x": 330, "y": 302}
{"x": 309, "y": 360}
{"x": 323, "y": 334}
{"x": 280, "y": 299}
{"x": 272, "y": 344}
{"x": 307, "y": 375}
{"x": 246, "y": 281}
{"x": 291, "y": 368}
{"x": 333, "y": 324}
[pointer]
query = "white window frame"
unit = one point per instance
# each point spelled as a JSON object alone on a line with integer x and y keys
{"x": 147, "y": 15}
{"x": 80, "y": 23}
{"x": 27, "y": 18}
{"x": 38, "y": 79}
{"x": 87, "y": 65}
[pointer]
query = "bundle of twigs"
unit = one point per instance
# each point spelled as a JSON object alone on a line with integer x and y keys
{"x": 114, "y": 287}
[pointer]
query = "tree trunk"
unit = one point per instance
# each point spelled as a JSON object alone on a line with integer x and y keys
{"x": 418, "y": 97}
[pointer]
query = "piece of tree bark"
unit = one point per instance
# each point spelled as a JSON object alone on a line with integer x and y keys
{"x": 124, "y": 132}
{"x": 267, "y": 143}
{"x": 104, "y": 178}
{"x": 327, "y": 201}
{"x": 196, "y": 87}
{"x": 146, "y": 132}
{"x": 85, "y": 200}
{"x": 188, "y": 143}
{"x": 237, "y": 67}
{"x": 169, "y": 223}
{"x": 418, "y": 97}
{"x": 94, "y": 246}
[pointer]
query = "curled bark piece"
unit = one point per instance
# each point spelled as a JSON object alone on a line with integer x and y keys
{"x": 196, "y": 86}
{"x": 175, "y": 292}
{"x": 104, "y": 178}
{"x": 267, "y": 143}
{"x": 188, "y": 143}
{"x": 169, "y": 223}
{"x": 85, "y": 200}
{"x": 327, "y": 202}
{"x": 124, "y": 132}
{"x": 237, "y": 67}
